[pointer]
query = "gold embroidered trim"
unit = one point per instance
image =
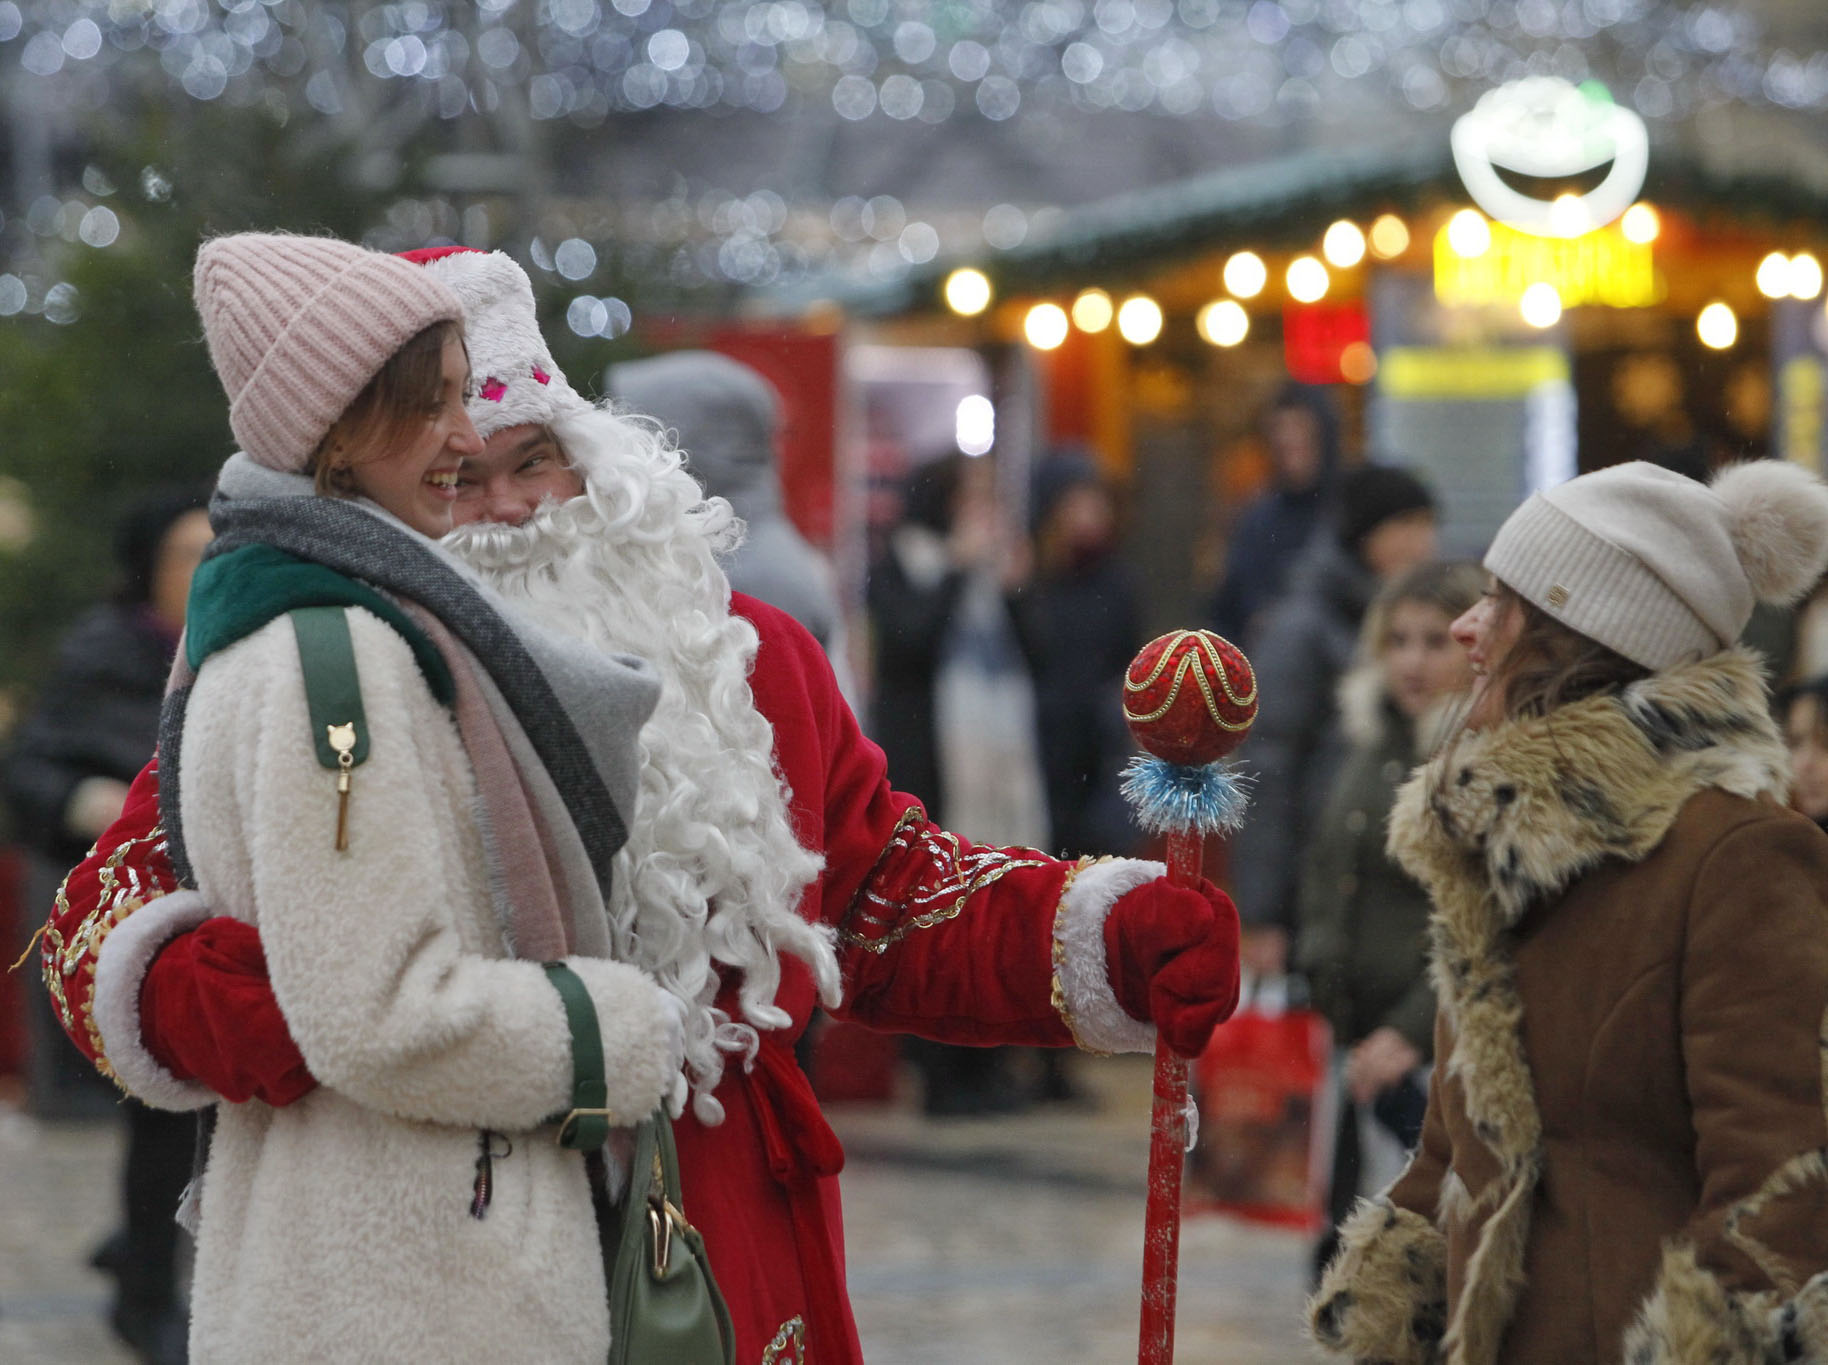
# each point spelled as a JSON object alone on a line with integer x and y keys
{"x": 69, "y": 964}
{"x": 789, "y": 1344}
{"x": 961, "y": 876}
{"x": 1058, "y": 994}
{"x": 914, "y": 815}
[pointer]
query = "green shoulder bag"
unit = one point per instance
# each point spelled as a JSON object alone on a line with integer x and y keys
{"x": 664, "y": 1304}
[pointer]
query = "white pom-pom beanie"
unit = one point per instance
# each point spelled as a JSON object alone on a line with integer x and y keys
{"x": 1661, "y": 568}
{"x": 297, "y": 326}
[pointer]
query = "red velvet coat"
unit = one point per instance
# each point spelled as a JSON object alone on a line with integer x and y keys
{"x": 937, "y": 937}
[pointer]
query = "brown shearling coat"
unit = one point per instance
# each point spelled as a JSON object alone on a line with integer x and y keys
{"x": 1623, "y": 1158}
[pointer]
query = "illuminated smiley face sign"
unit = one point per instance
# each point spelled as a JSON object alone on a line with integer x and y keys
{"x": 1544, "y": 128}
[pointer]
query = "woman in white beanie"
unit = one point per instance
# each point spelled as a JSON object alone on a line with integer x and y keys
{"x": 415, "y": 829}
{"x": 1623, "y": 1156}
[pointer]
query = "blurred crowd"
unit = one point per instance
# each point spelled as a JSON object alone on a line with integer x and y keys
{"x": 998, "y": 648}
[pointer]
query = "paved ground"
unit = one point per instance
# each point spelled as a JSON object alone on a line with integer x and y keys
{"x": 1008, "y": 1240}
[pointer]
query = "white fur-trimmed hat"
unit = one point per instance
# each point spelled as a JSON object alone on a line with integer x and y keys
{"x": 1659, "y": 567}
{"x": 516, "y": 381}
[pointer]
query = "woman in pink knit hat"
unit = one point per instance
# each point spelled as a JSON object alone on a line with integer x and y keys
{"x": 416, "y": 796}
{"x": 1625, "y": 1154}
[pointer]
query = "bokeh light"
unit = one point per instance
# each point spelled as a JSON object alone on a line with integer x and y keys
{"x": 1307, "y": 279}
{"x": 967, "y": 292}
{"x": 1344, "y": 244}
{"x": 1224, "y": 322}
{"x": 1045, "y": 326}
{"x": 1139, "y": 321}
{"x": 1245, "y": 274}
{"x": 1717, "y": 326}
{"x": 1093, "y": 310}
{"x": 1389, "y": 236}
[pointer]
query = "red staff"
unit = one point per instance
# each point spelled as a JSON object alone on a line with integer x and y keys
{"x": 1189, "y": 697}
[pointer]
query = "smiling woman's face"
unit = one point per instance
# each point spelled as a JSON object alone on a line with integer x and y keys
{"x": 416, "y": 480}
{"x": 1486, "y": 631}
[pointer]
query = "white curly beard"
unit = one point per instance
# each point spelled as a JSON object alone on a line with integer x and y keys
{"x": 712, "y": 873}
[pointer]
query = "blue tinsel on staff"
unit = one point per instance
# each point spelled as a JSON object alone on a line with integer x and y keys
{"x": 1178, "y": 798}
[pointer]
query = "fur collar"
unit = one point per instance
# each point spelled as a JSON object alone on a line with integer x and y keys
{"x": 1524, "y": 808}
{"x": 1506, "y": 819}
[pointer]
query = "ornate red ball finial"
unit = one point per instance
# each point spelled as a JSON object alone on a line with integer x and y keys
{"x": 1190, "y": 697}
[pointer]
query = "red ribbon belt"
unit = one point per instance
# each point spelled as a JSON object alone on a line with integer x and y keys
{"x": 802, "y": 1150}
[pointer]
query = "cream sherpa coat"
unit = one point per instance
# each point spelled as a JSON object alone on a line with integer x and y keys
{"x": 339, "y": 1229}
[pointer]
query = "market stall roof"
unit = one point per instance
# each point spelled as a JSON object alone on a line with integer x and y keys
{"x": 1286, "y": 200}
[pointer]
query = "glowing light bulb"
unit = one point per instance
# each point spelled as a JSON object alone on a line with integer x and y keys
{"x": 1224, "y": 322}
{"x": 1773, "y": 276}
{"x": 1358, "y": 362}
{"x": 1568, "y": 216}
{"x": 1717, "y": 327}
{"x": 1540, "y": 305}
{"x": 1139, "y": 321}
{"x": 1389, "y": 236}
{"x": 1093, "y": 310}
{"x": 975, "y": 424}
{"x": 1805, "y": 275}
{"x": 1344, "y": 244}
{"x": 1307, "y": 280}
{"x": 967, "y": 292}
{"x": 1245, "y": 274}
{"x": 1468, "y": 234}
{"x": 1640, "y": 224}
{"x": 1045, "y": 326}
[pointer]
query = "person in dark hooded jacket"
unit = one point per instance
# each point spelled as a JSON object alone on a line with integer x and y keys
{"x": 66, "y": 778}
{"x": 1300, "y": 649}
{"x": 1301, "y": 434}
{"x": 1079, "y": 626}
{"x": 727, "y": 420}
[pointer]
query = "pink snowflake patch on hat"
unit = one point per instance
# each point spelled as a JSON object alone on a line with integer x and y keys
{"x": 541, "y": 376}
{"x": 493, "y": 389}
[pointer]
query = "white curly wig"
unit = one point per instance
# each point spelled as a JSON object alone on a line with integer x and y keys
{"x": 712, "y": 873}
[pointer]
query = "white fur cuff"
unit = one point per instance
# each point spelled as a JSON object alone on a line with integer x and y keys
{"x": 120, "y": 971}
{"x": 1082, "y": 982}
{"x": 642, "y": 1029}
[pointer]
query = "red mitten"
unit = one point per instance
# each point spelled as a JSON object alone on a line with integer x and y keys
{"x": 1172, "y": 956}
{"x": 208, "y": 1014}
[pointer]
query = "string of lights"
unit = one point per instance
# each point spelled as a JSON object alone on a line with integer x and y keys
{"x": 586, "y": 60}
{"x": 578, "y": 65}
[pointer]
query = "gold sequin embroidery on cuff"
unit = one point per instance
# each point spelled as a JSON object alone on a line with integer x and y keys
{"x": 951, "y": 878}
{"x": 789, "y": 1344}
{"x": 69, "y": 964}
{"x": 1061, "y": 1007}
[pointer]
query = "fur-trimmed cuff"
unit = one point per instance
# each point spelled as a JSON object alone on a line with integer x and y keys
{"x": 643, "y": 1033}
{"x": 1082, "y": 982}
{"x": 1384, "y": 1297}
{"x": 120, "y": 971}
{"x": 1691, "y": 1318}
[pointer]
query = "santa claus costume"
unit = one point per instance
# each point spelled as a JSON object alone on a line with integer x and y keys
{"x": 769, "y": 862}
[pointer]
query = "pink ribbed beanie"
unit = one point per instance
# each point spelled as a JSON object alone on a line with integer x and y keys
{"x": 297, "y": 326}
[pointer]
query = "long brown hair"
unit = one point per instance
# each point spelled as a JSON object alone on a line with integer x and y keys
{"x": 403, "y": 393}
{"x": 1549, "y": 664}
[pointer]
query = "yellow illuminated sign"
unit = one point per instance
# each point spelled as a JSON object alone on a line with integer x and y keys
{"x": 1801, "y": 382}
{"x": 1600, "y": 267}
{"x": 1456, "y": 372}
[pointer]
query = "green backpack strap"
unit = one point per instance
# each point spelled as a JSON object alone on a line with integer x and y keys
{"x": 333, "y": 698}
